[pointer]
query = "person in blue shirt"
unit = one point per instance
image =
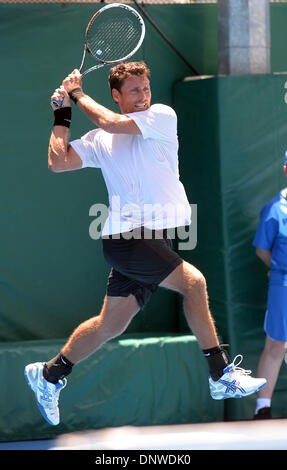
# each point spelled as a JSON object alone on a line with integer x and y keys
{"x": 271, "y": 247}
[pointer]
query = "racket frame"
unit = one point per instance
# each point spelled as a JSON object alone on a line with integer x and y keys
{"x": 102, "y": 63}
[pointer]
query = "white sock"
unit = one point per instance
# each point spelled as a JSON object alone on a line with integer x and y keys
{"x": 262, "y": 403}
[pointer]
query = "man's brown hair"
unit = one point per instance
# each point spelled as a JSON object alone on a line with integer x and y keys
{"x": 122, "y": 71}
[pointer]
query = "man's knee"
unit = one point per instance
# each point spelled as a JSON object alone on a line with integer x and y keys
{"x": 193, "y": 280}
{"x": 275, "y": 348}
{"x": 116, "y": 314}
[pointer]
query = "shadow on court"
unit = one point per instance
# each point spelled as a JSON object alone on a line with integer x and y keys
{"x": 240, "y": 435}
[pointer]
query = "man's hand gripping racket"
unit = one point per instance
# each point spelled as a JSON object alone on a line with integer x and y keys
{"x": 112, "y": 36}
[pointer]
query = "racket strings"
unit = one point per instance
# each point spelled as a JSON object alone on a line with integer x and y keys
{"x": 113, "y": 37}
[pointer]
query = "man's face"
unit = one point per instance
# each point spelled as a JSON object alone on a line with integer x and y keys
{"x": 135, "y": 94}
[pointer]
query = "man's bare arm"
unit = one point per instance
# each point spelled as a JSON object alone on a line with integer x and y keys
{"x": 61, "y": 155}
{"x": 265, "y": 256}
{"x": 106, "y": 119}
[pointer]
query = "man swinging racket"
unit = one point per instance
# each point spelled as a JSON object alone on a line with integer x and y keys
{"x": 136, "y": 151}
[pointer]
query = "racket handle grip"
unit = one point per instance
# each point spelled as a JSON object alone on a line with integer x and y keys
{"x": 57, "y": 103}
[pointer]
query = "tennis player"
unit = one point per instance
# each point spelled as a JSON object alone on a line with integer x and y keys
{"x": 137, "y": 152}
{"x": 271, "y": 246}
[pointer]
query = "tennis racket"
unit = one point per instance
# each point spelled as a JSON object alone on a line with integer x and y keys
{"x": 112, "y": 36}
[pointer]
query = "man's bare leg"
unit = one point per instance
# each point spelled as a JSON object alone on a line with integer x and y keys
{"x": 269, "y": 365}
{"x": 117, "y": 312}
{"x": 115, "y": 316}
{"x": 188, "y": 281}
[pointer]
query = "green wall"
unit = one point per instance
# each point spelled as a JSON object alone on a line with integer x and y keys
{"x": 278, "y": 17}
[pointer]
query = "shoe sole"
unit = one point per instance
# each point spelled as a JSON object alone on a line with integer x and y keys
{"x": 225, "y": 397}
{"x": 41, "y": 408}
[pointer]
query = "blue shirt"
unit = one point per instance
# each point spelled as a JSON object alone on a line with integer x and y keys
{"x": 271, "y": 235}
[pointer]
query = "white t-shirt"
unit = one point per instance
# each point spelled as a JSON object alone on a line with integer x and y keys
{"x": 140, "y": 172}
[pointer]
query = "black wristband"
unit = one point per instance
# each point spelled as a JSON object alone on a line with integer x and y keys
{"x": 63, "y": 116}
{"x": 76, "y": 94}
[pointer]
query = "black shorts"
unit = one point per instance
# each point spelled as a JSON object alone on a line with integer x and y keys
{"x": 139, "y": 264}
